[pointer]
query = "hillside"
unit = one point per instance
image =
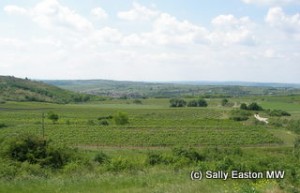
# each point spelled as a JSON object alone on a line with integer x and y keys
{"x": 17, "y": 89}
{"x": 130, "y": 89}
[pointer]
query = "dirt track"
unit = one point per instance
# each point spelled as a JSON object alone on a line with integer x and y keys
{"x": 261, "y": 118}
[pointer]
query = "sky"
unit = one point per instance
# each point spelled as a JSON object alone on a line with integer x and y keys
{"x": 151, "y": 40}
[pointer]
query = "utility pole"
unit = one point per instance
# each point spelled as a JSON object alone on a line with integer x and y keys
{"x": 43, "y": 125}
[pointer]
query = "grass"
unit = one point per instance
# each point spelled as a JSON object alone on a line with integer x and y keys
{"x": 153, "y": 127}
{"x": 154, "y": 180}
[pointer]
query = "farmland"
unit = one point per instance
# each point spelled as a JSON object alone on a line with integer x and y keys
{"x": 156, "y": 150}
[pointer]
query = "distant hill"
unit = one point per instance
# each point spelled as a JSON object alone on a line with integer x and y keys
{"x": 131, "y": 89}
{"x": 17, "y": 89}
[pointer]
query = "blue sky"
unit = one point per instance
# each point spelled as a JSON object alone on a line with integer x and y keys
{"x": 151, "y": 40}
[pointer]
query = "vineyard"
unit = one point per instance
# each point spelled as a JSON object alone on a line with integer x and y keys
{"x": 145, "y": 150}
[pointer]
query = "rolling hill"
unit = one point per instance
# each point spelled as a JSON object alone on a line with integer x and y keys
{"x": 131, "y": 89}
{"x": 17, "y": 89}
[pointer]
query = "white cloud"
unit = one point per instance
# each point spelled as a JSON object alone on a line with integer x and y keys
{"x": 168, "y": 30}
{"x": 229, "y": 29}
{"x": 11, "y": 42}
{"x": 99, "y": 13}
{"x": 158, "y": 46}
{"x": 15, "y": 10}
{"x": 108, "y": 34}
{"x": 272, "y": 2}
{"x": 138, "y": 12}
{"x": 290, "y": 24}
{"x": 51, "y": 14}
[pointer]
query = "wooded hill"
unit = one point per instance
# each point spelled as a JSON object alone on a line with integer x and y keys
{"x": 17, "y": 89}
{"x": 131, "y": 89}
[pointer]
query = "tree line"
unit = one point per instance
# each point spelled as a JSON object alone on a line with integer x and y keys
{"x": 192, "y": 103}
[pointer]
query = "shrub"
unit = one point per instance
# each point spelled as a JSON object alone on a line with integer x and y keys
{"x": 278, "y": 113}
{"x": 297, "y": 143}
{"x": 243, "y": 106}
{"x": 104, "y": 122}
{"x": 2, "y": 125}
{"x": 254, "y": 107}
{"x": 7, "y": 170}
{"x": 137, "y": 101}
{"x": 190, "y": 154}
{"x": 226, "y": 164}
{"x": 177, "y": 103}
{"x": 154, "y": 159}
{"x": 121, "y": 118}
{"x": 192, "y": 103}
{"x": 239, "y": 115}
{"x": 197, "y": 103}
{"x": 105, "y": 117}
{"x": 239, "y": 118}
{"x": 120, "y": 164}
{"x": 53, "y": 117}
{"x": 202, "y": 103}
{"x": 224, "y": 102}
{"x": 35, "y": 150}
{"x": 294, "y": 125}
{"x": 90, "y": 122}
{"x": 101, "y": 158}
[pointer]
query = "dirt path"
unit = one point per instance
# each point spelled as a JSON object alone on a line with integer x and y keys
{"x": 265, "y": 120}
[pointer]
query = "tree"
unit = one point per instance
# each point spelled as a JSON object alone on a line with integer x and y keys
{"x": 224, "y": 102}
{"x": 254, "y": 107}
{"x": 34, "y": 150}
{"x": 177, "y": 103}
{"x": 192, "y": 103}
{"x": 202, "y": 103}
{"x": 121, "y": 118}
{"x": 243, "y": 106}
{"x": 53, "y": 117}
{"x": 251, "y": 107}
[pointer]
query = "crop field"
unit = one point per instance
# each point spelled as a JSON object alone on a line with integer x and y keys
{"x": 145, "y": 155}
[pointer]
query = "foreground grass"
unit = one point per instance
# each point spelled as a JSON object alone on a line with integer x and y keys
{"x": 155, "y": 180}
{"x": 156, "y": 128}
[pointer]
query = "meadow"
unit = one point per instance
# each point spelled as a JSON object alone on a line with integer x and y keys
{"x": 157, "y": 149}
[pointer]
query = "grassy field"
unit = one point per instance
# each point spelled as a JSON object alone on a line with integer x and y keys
{"x": 157, "y": 150}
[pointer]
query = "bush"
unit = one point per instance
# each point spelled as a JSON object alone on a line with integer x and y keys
{"x": 7, "y": 170}
{"x": 239, "y": 115}
{"x": 294, "y": 125}
{"x": 197, "y": 103}
{"x": 105, "y": 117}
{"x": 243, "y": 106}
{"x": 120, "y": 164}
{"x": 90, "y": 122}
{"x": 190, "y": 154}
{"x": 101, "y": 158}
{"x": 104, "y": 122}
{"x": 278, "y": 113}
{"x": 224, "y": 102}
{"x": 154, "y": 159}
{"x": 202, "y": 103}
{"x": 2, "y": 125}
{"x": 137, "y": 101}
{"x": 35, "y": 150}
{"x": 177, "y": 103}
{"x": 121, "y": 118}
{"x": 53, "y": 117}
{"x": 251, "y": 107}
{"x": 192, "y": 103}
{"x": 254, "y": 107}
{"x": 239, "y": 118}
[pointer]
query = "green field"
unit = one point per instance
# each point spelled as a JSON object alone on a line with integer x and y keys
{"x": 177, "y": 140}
